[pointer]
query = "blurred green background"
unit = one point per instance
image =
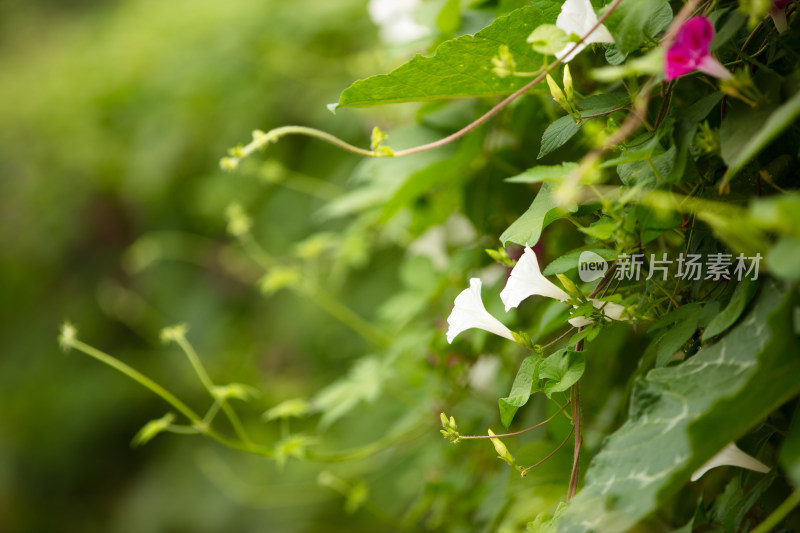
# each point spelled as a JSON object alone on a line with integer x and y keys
{"x": 113, "y": 116}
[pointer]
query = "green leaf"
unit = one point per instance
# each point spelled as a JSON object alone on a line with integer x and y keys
{"x": 613, "y": 55}
{"x": 460, "y": 67}
{"x": 603, "y": 103}
{"x": 293, "y": 408}
{"x": 151, "y": 429}
{"x": 651, "y": 63}
{"x": 732, "y": 25}
{"x": 569, "y": 260}
{"x": 563, "y": 369}
{"x": 450, "y": 170}
{"x": 364, "y": 383}
{"x": 780, "y": 213}
{"x": 291, "y": 447}
{"x": 654, "y": 222}
{"x": 521, "y": 390}
{"x": 528, "y": 228}
{"x": 741, "y": 297}
{"x": 557, "y": 134}
{"x": 236, "y": 391}
{"x": 544, "y": 173}
{"x": 746, "y": 132}
{"x": 449, "y": 18}
{"x": 676, "y": 336}
{"x": 701, "y": 108}
{"x": 601, "y": 230}
{"x": 640, "y": 153}
{"x": 673, "y": 316}
{"x": 790, "y": 452}
{"x": 649, "y": 173}
{"x": 682, "y": 415}
{"x": 634, "y": 21}
{"x": 547, "y": 39}
{"x": 563, "y": 129}
{"x": 783, "y": 258}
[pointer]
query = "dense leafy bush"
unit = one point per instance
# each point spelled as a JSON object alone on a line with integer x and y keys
{"x": 621, "y": 178}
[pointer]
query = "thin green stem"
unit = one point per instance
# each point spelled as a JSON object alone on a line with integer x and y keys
{"x": 510, "y": 98}
{"x": 183, "y": 430}
{"x": 779, "y": 514}
{"x": 334, "y": 307}
{"x": 167, "y": 396}
{"x": 549, "y": 455}
{"x": 211, "y": 413}
{"x": 526, "y": 74}
{"x": 261, "y": 139}
{"x": 205, "y": 379}
{"x": 138, "y": 377}
{"x": 575, "y": 400}
{"x": 317, "y": 294}
{"x": 367, "y": 450}
{"x": 515, "y": 433}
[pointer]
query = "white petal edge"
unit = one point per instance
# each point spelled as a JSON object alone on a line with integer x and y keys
{"x": 731, "y": 455}
{"x": 469, "y": 312}
{"x": 526, "y": 279}
{"x": 578, "y": 17}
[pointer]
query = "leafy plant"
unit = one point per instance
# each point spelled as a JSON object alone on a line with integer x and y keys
{"x": 672, "y": 176}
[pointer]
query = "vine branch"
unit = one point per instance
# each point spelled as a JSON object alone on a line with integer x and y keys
{"x": 261, "y": 139}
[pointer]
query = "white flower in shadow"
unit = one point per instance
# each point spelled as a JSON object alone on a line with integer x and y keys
{"x": 395, "y": 20}
{"x": 469, "y": 312}
{"x": 731, "y": 455}
{"x": 578, "y": 17}
{"x": 526, "y": 279}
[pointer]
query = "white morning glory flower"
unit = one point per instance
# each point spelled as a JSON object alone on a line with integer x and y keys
{"x": 526, "y": 279}
{"x": 468, "y": 312}
{"x": 731, "y": 455}
{"x": 578, "y": 17}
{"x": 395, "y": 20}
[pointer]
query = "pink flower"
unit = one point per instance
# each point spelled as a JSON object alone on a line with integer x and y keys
{"x": 689, "y": 51}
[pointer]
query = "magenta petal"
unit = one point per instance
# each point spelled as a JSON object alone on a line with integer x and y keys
{"x": 678, "y": 64}
{"x": 689, "y": 51}
{"x": 695, "y": 34}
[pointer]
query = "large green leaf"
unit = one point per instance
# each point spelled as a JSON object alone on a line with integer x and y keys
{"x": 557, "y": 134}
{"x": 741, "y": 297}
{"x": 790, "y": 452}
{"x": 527, "y": 229}
{"x": 562, "y": 370}
{"x": 633, "y": 21}
{"x": 460, "y": 67}
{"x": 680, "y": 416}
{"x": 544, "y": 173}
{"x": 521, "y": 389}
{"x": 745, "y": 133}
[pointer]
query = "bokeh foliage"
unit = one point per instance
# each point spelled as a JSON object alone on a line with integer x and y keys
{"x": 322, "y": 280}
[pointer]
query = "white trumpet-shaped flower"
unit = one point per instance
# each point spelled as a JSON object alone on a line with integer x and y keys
{"x": 526, "y": 279}
{"x": 578, "y": 17}
{"x": 469, "y": 312}
{"x": 731, "y": 455}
